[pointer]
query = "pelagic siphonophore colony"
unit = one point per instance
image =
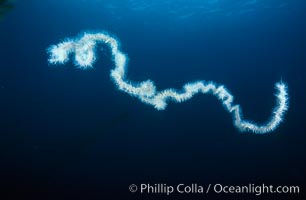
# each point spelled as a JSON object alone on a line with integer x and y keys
{"x": 84, "y": 51}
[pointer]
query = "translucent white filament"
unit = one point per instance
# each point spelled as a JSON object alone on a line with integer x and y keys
{"x": 84, "y": 52}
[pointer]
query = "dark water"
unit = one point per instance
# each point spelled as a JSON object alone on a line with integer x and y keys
{"x": 66, "y": 133}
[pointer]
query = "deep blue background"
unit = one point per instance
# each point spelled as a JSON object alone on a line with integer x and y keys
{"x": 69, "y": 133}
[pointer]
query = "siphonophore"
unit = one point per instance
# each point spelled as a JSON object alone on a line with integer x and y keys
{"x": 83, "y": 49}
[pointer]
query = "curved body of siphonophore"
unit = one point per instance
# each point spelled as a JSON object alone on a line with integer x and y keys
{"x": 84, "y": 50}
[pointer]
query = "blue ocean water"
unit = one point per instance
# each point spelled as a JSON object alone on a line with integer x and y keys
{"x": 69, "y": 133}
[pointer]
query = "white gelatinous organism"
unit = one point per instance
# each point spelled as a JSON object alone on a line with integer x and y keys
{"x": 83, "y": 49}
